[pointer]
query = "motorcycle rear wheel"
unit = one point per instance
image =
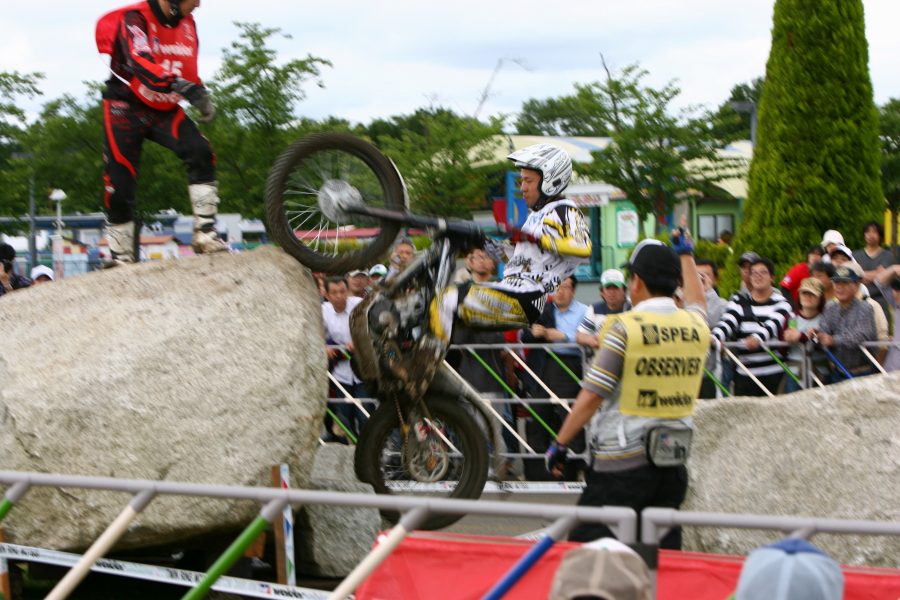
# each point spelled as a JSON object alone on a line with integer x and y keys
{"x": 308, "y": 189}
{"x": 380, "y": 461}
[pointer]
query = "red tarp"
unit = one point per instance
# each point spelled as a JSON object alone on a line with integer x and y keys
{"x": 439, "y": 566}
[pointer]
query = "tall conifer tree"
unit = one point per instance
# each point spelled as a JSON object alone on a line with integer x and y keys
{"x": 816, "y": 162}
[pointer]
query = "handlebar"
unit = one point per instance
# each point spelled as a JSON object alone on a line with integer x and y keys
{"x": 463, "y": 229}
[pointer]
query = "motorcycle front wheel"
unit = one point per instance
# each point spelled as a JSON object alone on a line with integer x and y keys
{"x": 446, "y": 457}
{"x": 310, "y": 195}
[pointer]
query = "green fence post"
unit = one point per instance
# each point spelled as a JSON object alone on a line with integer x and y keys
{"x": 13, "y": 494}
{"x": 716, "y": 381}
{"x": 236, "y": 550}
{"x": 512, "y": 393}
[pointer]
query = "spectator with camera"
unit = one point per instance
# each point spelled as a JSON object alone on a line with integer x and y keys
{"x": 9, "y": 279}
{"x": 844, "y": 325}
{"x": 888, "y": 282}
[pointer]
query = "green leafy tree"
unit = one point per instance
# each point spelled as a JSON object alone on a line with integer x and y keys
{"x": 66, "y": 145}
{"x": 816, "y": 164}
{"x": 15, "y": 170}
{"x": 576, "y": 115}
{"x": 889, "y": 124}
{"x": 656, "y": 155}
{"x": 447, "y": 161}
{"x": 256, "y": 96}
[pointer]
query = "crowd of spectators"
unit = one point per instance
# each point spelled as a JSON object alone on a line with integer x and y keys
{"x": 818, "y": 315}
{"x": 10, "y": 278}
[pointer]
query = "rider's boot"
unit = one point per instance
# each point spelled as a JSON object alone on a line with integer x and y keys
{"x": 120, "y": 237}
{"x": 205, "y": 203}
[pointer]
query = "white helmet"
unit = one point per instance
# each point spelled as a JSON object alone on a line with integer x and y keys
{"x": 551, "y": 161}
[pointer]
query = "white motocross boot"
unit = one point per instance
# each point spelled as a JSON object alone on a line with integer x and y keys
{"x": 205, "y": 203}
{"x": 121, "y": 243}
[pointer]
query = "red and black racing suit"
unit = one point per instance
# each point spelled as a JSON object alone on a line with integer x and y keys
{"x": 128, "y": 119}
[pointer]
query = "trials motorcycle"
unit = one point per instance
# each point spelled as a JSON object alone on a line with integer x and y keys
{"x": 432, "y": 434}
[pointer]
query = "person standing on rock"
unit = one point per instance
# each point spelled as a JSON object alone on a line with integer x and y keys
{"x": 644, "y": 381}
{"x": 154, "y": 46}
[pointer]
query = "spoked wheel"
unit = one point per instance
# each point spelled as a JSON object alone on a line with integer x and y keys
{"x": 446, "y": 456}
{"x": 310, "y": 195}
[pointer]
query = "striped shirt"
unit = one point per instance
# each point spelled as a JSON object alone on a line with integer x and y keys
{"x": 745, "y": 317}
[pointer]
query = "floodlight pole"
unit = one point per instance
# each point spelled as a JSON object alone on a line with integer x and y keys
{"x": 745, "y": 106}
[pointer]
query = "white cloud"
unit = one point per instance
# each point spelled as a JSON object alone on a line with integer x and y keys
{"x": 389, "y": 57}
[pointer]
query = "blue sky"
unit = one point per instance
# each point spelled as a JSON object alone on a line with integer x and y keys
{"x": 393, "y": 56}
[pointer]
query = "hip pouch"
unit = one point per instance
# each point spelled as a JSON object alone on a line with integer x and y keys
{"x": 667, "y": 444}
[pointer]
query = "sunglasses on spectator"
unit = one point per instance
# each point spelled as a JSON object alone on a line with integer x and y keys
{"x": 762, "y": 273}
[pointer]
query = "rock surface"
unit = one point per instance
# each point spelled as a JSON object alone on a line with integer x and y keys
{"x": 331, "y": 540}
{"x": 832, "y": 453}
{"x": 206, "y": 370}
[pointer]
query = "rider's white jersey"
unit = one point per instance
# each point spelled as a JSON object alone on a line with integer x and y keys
{"x": 562, "y": 243}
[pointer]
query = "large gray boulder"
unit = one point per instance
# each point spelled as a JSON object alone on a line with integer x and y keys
{"x": 206, "y": 370}
{"x": 832, "y": 452}
{"x": 331, "y": 540}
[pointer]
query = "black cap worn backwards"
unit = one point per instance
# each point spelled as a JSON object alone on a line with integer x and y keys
{"x": 654, "y": 261}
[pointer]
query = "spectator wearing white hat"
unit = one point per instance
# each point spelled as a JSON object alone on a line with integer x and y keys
{"x": 41, "y": 274}
{"x": 841, "y": 255}
{"x": 376, "y": 274}
{"x": 792, "y": 569}
{"x": 830, "y": 239}
{"x": 615, "y": 301}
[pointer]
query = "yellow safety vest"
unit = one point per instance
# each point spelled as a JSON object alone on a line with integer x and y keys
{"x": 664, "y": 360}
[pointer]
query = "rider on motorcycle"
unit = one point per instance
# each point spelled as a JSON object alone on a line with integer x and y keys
{"x": 553, "y": 242}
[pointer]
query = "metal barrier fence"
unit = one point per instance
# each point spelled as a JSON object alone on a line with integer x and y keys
{"x": 806, "y": 378}
{"x": 415, "y": 510}
{"x": 655, "y": 522}
{"x": 514, "y": 397}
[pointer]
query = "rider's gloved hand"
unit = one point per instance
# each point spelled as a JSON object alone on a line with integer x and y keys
{"x": 198, "y": 96}
{"x": 520, "y": 235}
{"x": 555, "y": 458}
{"x": 534, "y": 229}
{"x": 496, "y": 250}
{"x": 682, "y": 242}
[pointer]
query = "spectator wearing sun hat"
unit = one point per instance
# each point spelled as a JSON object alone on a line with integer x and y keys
{"x": 811, "y": 303}
{"x": 605, "y": 569}
{"x": 615, "y": 300}
{"x": 41, "y": 274}
{"x": 792, "y": 569}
